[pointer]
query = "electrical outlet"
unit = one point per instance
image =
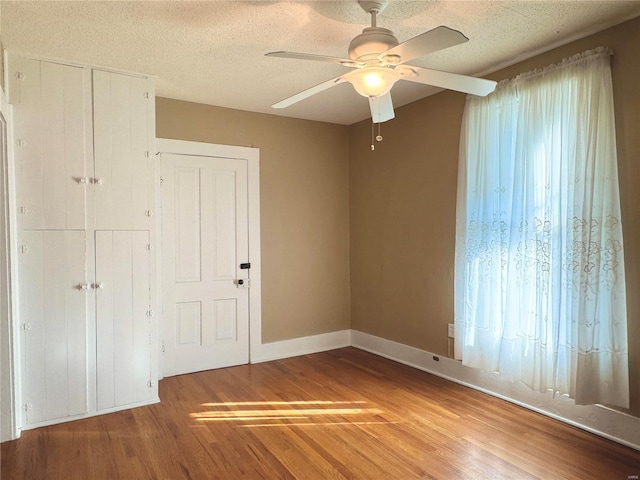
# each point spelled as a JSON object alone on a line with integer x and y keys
{"x": 450, "y": 330}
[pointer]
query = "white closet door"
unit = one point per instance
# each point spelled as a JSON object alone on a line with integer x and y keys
{"x": 123, "y": 322}
{"x": 49, "y": 130}
{"x": 53, "y": 324}
{"x": 123, "y": 156}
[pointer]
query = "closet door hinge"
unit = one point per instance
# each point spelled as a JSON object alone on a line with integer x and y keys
{"x": 146, "y": 95}
{"x": 25, "y": 327}
{"x": 150, "y": 384}
{"x": 163, "y": 349}
{"x": 21, "y": 143}
{"x": 27, "y": 407}
{"x": 23, "y": 249}
{"x": 20, "y": 76}
{"x": 23, "y": 210}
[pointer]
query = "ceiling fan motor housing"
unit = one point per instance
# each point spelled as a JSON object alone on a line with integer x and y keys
{"x": 372, "y": 40}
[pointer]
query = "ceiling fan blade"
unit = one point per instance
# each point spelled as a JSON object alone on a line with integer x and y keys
{"x": 452, "y": 81}
{"x": 381, "y": 108}
{"x": 437, "y": 39}
{"x": 319, "y": 58}
{"x": 307, "y": 93}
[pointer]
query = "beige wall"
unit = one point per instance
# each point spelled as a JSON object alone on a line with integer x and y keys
{"x": 403, "y": 199}
{"x": 304, "y": 195}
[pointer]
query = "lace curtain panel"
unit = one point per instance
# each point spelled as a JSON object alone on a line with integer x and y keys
{"x": 539, "y": 282}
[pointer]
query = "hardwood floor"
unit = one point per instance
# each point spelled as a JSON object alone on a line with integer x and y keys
{"x": 344, "y": 414}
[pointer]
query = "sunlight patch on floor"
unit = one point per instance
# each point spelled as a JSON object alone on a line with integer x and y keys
{"x": 303, "y": 413}
{"x": 261, "y": 403}
{"x": 323, "y": 424}
{"x": 235, "y": 414}
{"x": 249, "y": 419}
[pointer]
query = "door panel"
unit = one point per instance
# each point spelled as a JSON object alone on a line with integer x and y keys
{"x": 187, "y": 232}
{"x": 54, "y": 332}
{"x": 122, "y": 153}
{"x": 188, "y": 319}
{"x": 204, "y": 238}
{"x": 218, "y": 230}
{"x": 50, "y": 133}
{"x": 225, "y": 319}
{"x": 123, "y": 323}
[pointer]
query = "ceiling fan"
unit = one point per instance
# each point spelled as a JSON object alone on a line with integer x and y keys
{"x": 378, "y": 60}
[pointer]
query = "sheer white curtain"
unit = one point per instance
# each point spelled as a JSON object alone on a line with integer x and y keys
{"x": 539, "y": 283}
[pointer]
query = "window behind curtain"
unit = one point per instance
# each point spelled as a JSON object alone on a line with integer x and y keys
{"x": 540, "y": 288}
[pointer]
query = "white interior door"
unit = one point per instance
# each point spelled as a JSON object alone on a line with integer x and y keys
{"x": 53, "y": 312}
{"x": 121, "y": 110}
{"x": 49, "y": 129}
{"x": 124, "y": 342}
{"x": 204, "y": 241}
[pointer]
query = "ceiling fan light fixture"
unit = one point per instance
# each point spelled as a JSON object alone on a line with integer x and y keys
{"x": 373, "y": 81}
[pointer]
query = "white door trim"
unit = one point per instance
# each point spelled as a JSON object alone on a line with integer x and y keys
{"x": 252, "y": 155}
{"x": 9, "y": 384}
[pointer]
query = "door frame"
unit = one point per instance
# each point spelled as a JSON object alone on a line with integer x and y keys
{"x": 252, "y": 157}
{"x": 10, "y": 348}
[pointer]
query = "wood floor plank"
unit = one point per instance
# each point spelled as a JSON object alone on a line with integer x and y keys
{"x": 344, "y": 414}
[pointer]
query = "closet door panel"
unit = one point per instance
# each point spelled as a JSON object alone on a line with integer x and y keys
{"x": 49, "y": 130}
{"x": 123, "y": 324}
{"x": 53, "y": 308}
{"x": 123, "y": 162}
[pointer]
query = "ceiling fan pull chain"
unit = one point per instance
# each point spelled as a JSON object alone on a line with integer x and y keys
{"x": 373, "y": 126}
{"x": 378, "y": 138}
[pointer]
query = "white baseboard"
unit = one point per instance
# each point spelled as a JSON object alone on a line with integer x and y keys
{"x": 603, "y": 421}
{"x": 301, "y": 346}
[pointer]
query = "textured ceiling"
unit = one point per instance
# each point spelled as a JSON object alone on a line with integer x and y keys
{"x": 213, "y": 52}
